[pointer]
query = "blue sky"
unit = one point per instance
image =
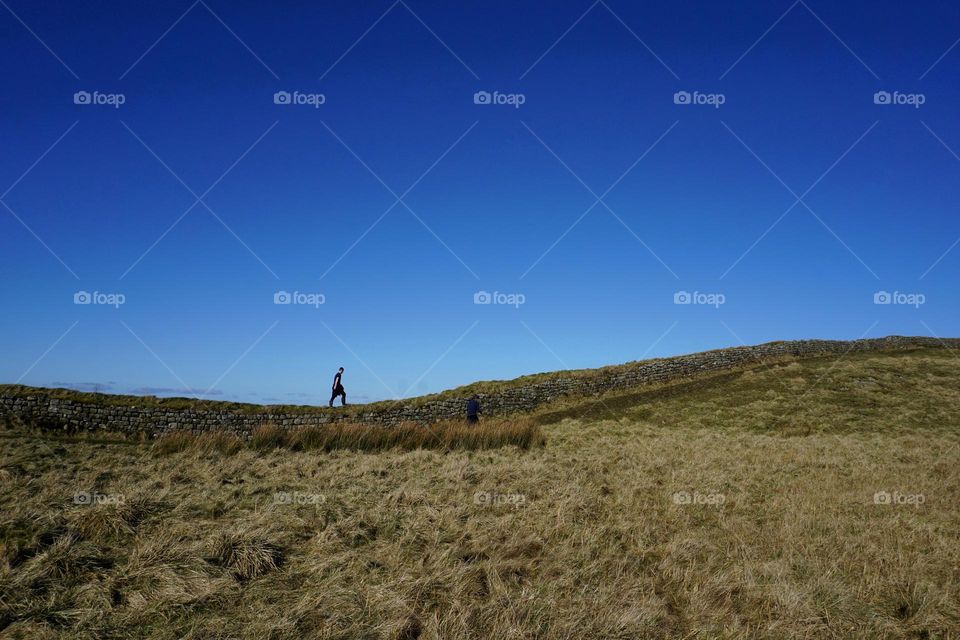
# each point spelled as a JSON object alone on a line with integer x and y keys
{"x": 594, "y": 204}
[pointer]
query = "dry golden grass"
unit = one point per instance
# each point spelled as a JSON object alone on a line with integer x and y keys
{"x": 205, "y": 443}
{"x": 246, "y": 553}
{"x": 742, "y": 507}
{"x": 491, "y": 433}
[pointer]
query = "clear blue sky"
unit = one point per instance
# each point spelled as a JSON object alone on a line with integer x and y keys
{"x": 298, "y": 198}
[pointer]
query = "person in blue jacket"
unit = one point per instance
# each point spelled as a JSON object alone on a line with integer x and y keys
{"x": 473, "y": 410}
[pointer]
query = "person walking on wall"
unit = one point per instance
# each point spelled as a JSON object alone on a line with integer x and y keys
{"x": 338, "y": 389}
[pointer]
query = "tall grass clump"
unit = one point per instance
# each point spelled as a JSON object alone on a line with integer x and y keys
{"x": 200, "y": 444}
{"x": 175, "y": 442}
{"x": 267, "y": 437}
{"x": 407, "y": 436}
{"x": 246, "y": 553}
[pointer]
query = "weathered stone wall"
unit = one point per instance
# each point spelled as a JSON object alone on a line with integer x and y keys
{"x": 39, "y": 408}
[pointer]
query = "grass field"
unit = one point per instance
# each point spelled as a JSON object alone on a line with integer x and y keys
{"x": 811, "y": 499}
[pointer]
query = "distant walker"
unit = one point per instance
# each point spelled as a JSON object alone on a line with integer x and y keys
{"x": 473, "y": 410}
{"x": 338, "y": 389}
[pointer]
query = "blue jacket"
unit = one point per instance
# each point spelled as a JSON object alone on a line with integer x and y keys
{"x": 473, "y": 407}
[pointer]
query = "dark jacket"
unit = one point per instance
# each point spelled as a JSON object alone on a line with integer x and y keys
{"x": 473, "y": 408}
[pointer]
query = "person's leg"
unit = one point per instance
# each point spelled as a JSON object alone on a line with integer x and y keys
{"x": 332, "y": 397}
{"x": 343, "y": 397}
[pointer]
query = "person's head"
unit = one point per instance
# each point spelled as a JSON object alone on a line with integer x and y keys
{"x": 341, "y": 369}
{"x": 474, "y": 397}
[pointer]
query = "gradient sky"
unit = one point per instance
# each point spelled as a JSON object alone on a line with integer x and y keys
{"x": 694, "y": 197}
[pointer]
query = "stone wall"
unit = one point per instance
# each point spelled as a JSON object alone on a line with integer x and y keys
{"x": 38, "y": 407}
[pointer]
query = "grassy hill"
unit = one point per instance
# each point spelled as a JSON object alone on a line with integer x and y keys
{"x": 789, "y": 351}
{"x": 816, "y": 498}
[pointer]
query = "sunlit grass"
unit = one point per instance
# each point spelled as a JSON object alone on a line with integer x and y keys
{"x": 519, "y": 432}
{"x": 738, "y": 507}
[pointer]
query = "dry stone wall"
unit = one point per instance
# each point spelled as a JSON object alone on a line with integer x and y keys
{"x": 39, "y": 408}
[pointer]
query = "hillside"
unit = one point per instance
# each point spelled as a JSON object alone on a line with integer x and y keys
{"x": 812, "y": 498}
{"x": 151, "y": 416}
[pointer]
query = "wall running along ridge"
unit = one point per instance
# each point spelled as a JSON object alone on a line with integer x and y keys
{"x": 36, "y": 407}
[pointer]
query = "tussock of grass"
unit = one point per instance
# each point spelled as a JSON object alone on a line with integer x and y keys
{"x": 247, "y": 553}
{"x": 200, "y": 444}
{"x": 408, "y": 436}
{"x": 162, "y": 571}
{"x": 268, "y": 436}
{"x": 98, "y": 521}
{"x": 176, "y": 442}
{"x": 449, "y": 435}
{"x": 220, "y": 442}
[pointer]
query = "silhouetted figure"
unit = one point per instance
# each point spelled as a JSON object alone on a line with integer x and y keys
{"x": 338, "y": 389}
{"x": 473, "y": 410}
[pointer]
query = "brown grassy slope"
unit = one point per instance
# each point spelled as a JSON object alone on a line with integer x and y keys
{"x": 582, "y": 538}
